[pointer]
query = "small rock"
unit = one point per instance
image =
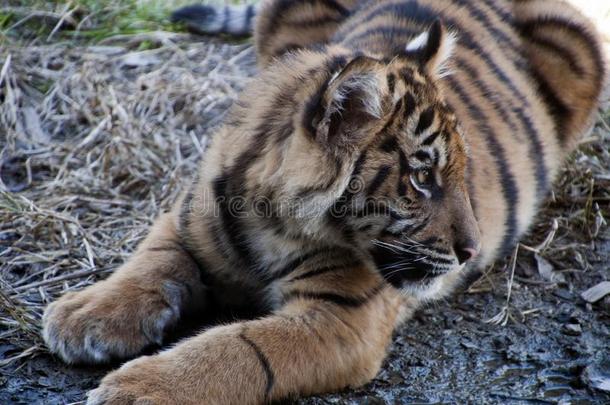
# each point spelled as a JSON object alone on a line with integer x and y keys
{"x": 547, "y": 271}
{"x": 137, "y": 59}
{"x": 597, "y": 376}
{"x": 597, "y": 292}
{"x": 563, "y": 294}
{"x": 470, "y": 345}
{"x": 572, "y": 329}
{"x": 106, "y": 50}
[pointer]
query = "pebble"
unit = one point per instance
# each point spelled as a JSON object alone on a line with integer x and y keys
{"x": 572, "y": 329}
{"x": 597, "y": 376}
{"x": 563, "y": 294}
{"x": 597, "y": 292}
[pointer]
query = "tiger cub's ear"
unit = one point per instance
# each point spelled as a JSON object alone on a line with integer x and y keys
{"x": 433, "y": 48}
{"x": 351, "y": 103}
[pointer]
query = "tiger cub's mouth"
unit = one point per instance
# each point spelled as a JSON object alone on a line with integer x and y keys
{"x": 402, "y": 263}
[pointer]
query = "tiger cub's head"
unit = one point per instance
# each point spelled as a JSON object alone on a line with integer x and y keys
{"x": 374, "y": 159}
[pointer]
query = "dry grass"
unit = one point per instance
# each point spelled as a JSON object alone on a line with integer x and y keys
{"x": 97, "y": 139}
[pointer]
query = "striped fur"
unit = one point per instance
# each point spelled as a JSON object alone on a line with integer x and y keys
{"x": 382, "y": 146}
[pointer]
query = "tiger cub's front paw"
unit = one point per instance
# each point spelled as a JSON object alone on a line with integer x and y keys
{"x": 111, "y": 320}
{"x": 145, "y": 380}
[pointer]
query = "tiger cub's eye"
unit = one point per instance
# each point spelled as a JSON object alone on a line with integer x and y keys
{"x": 423, "y": 177}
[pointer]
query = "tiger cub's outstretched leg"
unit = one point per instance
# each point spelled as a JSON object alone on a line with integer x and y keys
{"x": 119, "y": 316}
{"x": 567, "y": 61}
{"x": 332, "y": 332}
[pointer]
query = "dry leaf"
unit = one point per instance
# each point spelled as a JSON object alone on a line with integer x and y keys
{"x": 547, "y": 271}
{"x": 597, "y": 292}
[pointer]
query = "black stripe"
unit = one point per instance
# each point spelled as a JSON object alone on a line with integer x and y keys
{"x": 429, "y": 241}
{"x": 401, "y": 189}
{"x": 403, "y": 163}
{"x": 559, "y": 110}
{"x": 407, "y": 75}
{"x": 359, "y": 165}
{"x": 425, "y": 120}
{"x": 389, "y": 145}
{"x": 336, "y": 299}
{"x": 323, "y": 270}
{"x": 403, "y": 167}
{"x": 335, "y": 6}
{"x": 423, "y": 156}
{"x": 316, "y": 22}
{"x": 504, "y": 16}
{"x": 437, "y": 259}
{"x": 164, "y": 248}
{"x": 430, "y": 138}
{"x": 382, "y": 174}
{"x": 392, "y": 32}
{"x": 409, "y": 105}
{"x": 181, "y": 245}
{"x": 230, "y": 220}
{"x": 410, "y": 10}
{"x": 563, "y": 52}
{"x": 510, "y": 190}
{"x": 286, "y": 48}
{"x": 295, "y": 264}
{"x": 391, "y": 83}
{"x": 392, "y": 118}
{"x": 264, "y": 364}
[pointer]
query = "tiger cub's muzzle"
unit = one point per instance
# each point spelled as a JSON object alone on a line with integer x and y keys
{"x": 419, "y": 259}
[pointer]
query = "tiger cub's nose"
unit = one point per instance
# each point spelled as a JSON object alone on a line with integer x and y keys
{"x": 466, "y": 251}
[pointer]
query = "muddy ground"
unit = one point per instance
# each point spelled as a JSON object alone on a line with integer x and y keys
{"x": 447, "y": 354}
{"x": 545, "y": 345}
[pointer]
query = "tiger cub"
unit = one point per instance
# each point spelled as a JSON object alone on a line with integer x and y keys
{"x": 385, "y": 148}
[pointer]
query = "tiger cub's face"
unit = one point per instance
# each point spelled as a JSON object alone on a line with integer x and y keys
{"x": 404, "y": 198}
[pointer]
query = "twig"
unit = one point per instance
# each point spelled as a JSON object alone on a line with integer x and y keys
{"x": 501, "y": 318}
{"x": 55, "y": 280}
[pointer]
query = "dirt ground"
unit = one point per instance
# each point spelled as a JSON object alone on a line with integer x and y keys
{"x": 96, "y": 140}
